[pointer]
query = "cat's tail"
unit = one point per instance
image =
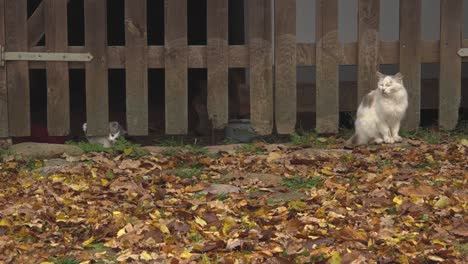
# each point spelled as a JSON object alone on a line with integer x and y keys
{"x": 352, "y": 142}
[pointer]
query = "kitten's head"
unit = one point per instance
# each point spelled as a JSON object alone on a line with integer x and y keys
{"x": 115, "y": 131}
{"x": 389, "y": 84}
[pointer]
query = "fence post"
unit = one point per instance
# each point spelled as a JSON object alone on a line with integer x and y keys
{"x": 3, "y": 85}
{"x": 451, "y": 20}
{"x": 217, "y": 62}
{"x": 176, "y": 63}
{"x": 260, "y": 66}
{"x": 410, "y": 59}
{"x": 285, "y": 66}
{"x": 327, "y": 60}
{"x": 97, "y": 90}
{"x": 58, "y": 95}
{"x": 136, "y": 67}
{"x": 18, "y": 71}
{"x": 368, "y": 50}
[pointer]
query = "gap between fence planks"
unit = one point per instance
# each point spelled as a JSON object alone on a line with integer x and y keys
{"x": 176, "y": 64}
{"x": 328, "y": 53}
{"x": 3, "y": 86}
{"x": 217, "y": 63}
{"x": 451, "y": 20}
{"x": 36, "y": 25}
{"x": 285, "y": 66}
{"x": 17, "y": 71}
{"x": 58, "y": 95}
{"x": 368, "y": 48}
{"x": 97, "y": 91}
{"x": 410, "y": 59}
{"x": 136, "y": 64}
{"x": 260, "y": 66}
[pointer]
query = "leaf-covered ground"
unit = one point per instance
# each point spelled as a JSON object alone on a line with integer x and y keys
{"x": 259, "y": 203}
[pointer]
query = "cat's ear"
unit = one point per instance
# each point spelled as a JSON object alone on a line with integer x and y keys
{"x": 399, "y": 76}
{"x": 380, "y": 75}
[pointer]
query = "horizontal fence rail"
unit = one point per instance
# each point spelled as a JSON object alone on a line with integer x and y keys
{"x": 273, "y": 90}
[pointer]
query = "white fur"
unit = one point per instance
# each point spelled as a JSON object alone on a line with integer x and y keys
{"x": 380, "y": 121}
{"x": 108, "y": 141}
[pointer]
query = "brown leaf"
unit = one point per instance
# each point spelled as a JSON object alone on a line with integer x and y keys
{"x": 349, "y": 233}
{"x": 419, "y": 191}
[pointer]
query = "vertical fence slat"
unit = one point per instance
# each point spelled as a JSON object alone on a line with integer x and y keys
{"x": 17, "y": 71}
{"x": 450, "y": 63}
{"x": 58, "y": 95}
{"x": 217, "y": 62}
{"x": 260, "y": 71}
{"x": 285, "y": 66}
{"x": 136, "y": 64}
{"x": 368, "y": 41}
{"x": 176, "y": 63}
{"x": 3, "y": 85}
{"x": 97, "y": 91}
{"x": 327, "y": 99}
{"x": 410, "y": 59}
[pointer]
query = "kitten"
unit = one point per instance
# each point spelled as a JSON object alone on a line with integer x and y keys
{"x": 380, "y": 113}
{"x": 115, "y": 131}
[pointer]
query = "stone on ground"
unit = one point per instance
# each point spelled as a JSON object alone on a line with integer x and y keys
{"x": 44, "y": 150}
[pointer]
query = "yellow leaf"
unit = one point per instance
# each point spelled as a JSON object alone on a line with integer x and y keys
{"x": 464, "y": 142}
{"x": 200, "y": 221}
{"x": 322, "y": 139}
{"x": 88, "y": 242}
{"x": 403, "y": 259}
{"x": 128, "y": 151}
{"x": 327, "y": 172}
{"x": 145, "y": 256}
{"x": 228, "y": 224}
{"x": 273, "y": 156}
{"x": 437, "y": 241}
{"x": 335, "y": 258}
{"x": 121, "y": 232}
{"x": 4, "y": 222}
{"x": 93, "y": 172}
{"x": 116, "y": 213}
{"x": 164, "y": 228}
{"x": 104, "y": 182}
{"x": 297, "y": 205}
{"x": 398, "y": 200}
{"x": 443, "y": 202}
{"x": 185, "y": 254}
{"x": 46, "y": 262}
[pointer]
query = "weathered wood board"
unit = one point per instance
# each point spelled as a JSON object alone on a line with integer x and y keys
{"x": 58, "y": 93}
{"x": 285, "y": 66}
{"x": 136, "y": 63}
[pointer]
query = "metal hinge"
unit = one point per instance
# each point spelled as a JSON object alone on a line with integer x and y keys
{"x": 463, "y": 52}
{"x": 42, "y": 56}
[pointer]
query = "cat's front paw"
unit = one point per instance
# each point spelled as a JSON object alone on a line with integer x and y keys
{"x": 397, "y": 139}
{"x": 378, "y": 141}
{"x": 389, "y": 140}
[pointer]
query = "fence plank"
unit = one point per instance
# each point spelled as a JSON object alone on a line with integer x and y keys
{"x": 450, "y": 63}
{"x": 176, "y": 62}
{"x": 327, "y": 99}
{"x": 97, "y": 91}
{"x": 217, "y": 62}
{"x": 136, "y": 63}
{"x": 368, "y": 50}
{"x": 285, "y": 66}
{"x": 17, "y": 71}
{"x": 260, "y": 74}
{"x": 410, "y": 58}
{"x": 58, "y": 95}
{"x": 3, "y": 84}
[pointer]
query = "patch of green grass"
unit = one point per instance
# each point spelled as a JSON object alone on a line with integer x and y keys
{"x": 297, "y": 183}
{"x": 170, "y": 152}
{"x": 309, "y": 139}
{"x": 462, "y": 248}
{"x": 197, "y": 149}
{"x": 195, "y": 237}
{"x": 251, "y": 148}
{"x": 430, "y": 136}
{"x": 172, "y": 142}
{"x": 222, "y": 197}
{"x": 426, "y": 218}
{"x": 187, "y": 173}
{"x": 121, "y": 146}
{"x": 385, "y": 163}
{"x": 65, "y": 260}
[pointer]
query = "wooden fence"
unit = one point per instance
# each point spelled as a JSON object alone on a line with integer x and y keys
{"x": 272, "y": 94}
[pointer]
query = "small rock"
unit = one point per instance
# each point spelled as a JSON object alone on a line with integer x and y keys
{"x": 54, "y": 166}
{"x": 44, "y": 150}
{"x": 222, "y": 189}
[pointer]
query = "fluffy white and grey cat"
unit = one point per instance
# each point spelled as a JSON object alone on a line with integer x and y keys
{"x": 380, "y": 113}
{"x": 115, "y": 131}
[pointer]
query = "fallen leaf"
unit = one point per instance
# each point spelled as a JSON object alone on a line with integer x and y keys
{"x": 419, "y": 191}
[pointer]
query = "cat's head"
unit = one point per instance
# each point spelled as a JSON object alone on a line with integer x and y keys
{"x": 389, "y": 84}
{"x": 115, "y": 131}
